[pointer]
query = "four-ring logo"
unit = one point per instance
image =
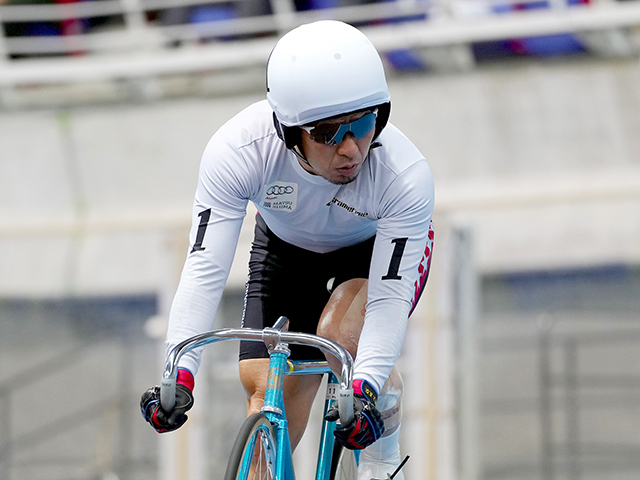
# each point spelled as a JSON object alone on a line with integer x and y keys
{"x": 280, "y": 195}
{"x": 279, "y": 190}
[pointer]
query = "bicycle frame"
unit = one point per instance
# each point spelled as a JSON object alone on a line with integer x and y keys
{"x": 277, "y": 339}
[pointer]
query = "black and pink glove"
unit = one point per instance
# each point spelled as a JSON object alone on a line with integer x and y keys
{"x": 367, "y": 425}
{"x": 164, "y": 421}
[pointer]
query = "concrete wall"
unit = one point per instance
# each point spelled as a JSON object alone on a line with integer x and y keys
{"x": 542, "y": 159}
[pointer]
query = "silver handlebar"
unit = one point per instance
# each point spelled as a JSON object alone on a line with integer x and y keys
{"x": 270, "y": 336}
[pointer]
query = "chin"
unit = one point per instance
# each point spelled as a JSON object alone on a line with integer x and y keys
{"x": 342, "y": 180}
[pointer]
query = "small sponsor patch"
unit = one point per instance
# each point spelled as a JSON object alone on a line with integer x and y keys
{"x": 280, "y": 196}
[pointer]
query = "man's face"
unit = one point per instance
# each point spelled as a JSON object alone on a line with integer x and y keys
{"x": 340, "y": 163}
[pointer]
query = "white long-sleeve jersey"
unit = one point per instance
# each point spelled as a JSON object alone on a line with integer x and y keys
{"x": 392, "y": 198}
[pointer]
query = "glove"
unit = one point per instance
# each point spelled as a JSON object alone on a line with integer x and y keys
{"x": 164, "y": 421}
{"x": 367, "y": 425}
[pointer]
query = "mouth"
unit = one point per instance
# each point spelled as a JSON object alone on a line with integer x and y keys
{"x": 347, "y": 170}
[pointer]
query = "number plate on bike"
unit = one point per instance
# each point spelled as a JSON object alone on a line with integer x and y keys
{"x": 332, "y": 391}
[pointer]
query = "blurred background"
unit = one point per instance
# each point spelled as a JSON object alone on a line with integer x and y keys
{"x": 523, "y": 359}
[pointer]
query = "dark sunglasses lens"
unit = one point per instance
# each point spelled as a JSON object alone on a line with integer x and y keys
{"x": 324, "y": 133}
{"x": 333, "y": 133}
{"x": 359, "y": 128}
{"x": 363, "y": 125}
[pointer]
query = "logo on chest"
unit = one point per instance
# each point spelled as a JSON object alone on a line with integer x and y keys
{"x": 280, "y": 196}
{"x": 348, "y": 208}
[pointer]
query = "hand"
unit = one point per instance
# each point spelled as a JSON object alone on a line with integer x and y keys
{"x": 164, "y": 421}
{"x": 367, "y": 425}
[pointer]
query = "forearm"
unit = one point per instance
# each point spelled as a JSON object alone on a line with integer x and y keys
{"x": 381, "y": 340}
{"x": 201, "y": 287}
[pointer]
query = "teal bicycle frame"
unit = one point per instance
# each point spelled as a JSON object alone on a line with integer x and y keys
{"x": 277, "y": 340}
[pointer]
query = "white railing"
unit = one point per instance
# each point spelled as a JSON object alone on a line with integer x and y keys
{"x": 135, "y": 47}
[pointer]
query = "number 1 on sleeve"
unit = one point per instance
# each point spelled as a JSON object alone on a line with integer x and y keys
{"x": 396, "y": 256}
{"x": 202, "y": 228}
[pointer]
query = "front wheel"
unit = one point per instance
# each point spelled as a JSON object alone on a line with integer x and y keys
{"x": 344, "y": 463}
{"x": 253, "y": 456}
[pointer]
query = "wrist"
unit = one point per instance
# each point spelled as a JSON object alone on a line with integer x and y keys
{"x": 364, "y": 389}
{"x": 185, "y": 377}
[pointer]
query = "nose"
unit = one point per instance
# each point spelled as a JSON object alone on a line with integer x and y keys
{"x": 348, "y": 146}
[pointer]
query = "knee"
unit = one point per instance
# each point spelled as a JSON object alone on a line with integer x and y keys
{"x": 390, "y": 401}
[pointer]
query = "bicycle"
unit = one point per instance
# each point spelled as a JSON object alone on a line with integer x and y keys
{"x": 262, "y": 450}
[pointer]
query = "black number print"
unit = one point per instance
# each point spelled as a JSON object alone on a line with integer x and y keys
{"x": 396, "y": 256}
{"x": 202, "y": 228}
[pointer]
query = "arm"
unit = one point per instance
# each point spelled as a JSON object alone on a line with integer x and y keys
{"x": 400, "y": 254}
{"x": 398, "y": 268}
{"x": 202, "y": 281}
{"x": 218, "y": 213}
{"x": 224, "y": 185}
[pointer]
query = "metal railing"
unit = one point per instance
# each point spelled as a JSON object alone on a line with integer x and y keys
{"x": 15, "y": 441}
{"x": 138, "y": 44}
{"x": 569, "y": 400}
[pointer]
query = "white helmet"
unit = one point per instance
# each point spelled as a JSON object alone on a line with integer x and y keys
{"x": 323, "y": 69}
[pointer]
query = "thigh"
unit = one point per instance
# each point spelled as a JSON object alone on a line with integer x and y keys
{"x": 343, "y": 317}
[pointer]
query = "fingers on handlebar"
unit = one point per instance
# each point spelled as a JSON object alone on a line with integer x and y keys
{"x": 167, "y": 421}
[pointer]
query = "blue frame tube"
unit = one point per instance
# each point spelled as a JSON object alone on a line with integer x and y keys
{"x": 274, "y": 410}
{"x": 273, "y": 396}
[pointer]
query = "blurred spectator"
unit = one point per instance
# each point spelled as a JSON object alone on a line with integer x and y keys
{"x": 545, "y": 45}
{"x": 206, "y": 14}
{"x": 39, "y": 28}
{"x": 323, "y": 4}
{"x": 71, "y": 26}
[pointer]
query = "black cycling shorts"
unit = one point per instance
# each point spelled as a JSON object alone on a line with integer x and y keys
{"x": 294, "y": 282}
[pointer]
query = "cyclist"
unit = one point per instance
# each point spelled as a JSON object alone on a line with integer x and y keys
{"x": 343, "y": 234}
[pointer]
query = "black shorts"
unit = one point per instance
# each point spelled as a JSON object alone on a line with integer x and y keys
{"x": 294, "y": 282}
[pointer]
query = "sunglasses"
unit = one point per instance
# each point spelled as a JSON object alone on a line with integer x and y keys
{"x": 334, "y": 133}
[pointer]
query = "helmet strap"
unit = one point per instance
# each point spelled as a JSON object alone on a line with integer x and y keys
{"x": 300, "y": 156}
{"x": 291, "y": 138}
